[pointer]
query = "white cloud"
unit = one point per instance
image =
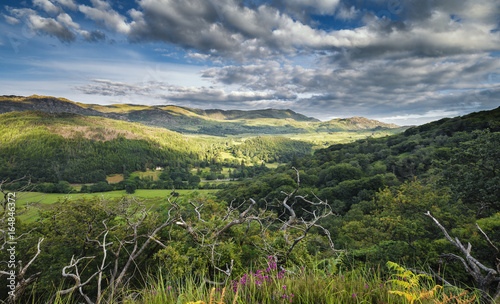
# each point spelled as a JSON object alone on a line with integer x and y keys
{"x": 402, "y": 56}
{"x": 68, "y": 3}
{"x": 301, "y": 8}
{"x": 67, "y": 20}
{"x": 105, "y": 16}
{"x": 10, "y": 19}
{"x": 47, "y": 6}
{"x": 51, "y": 27}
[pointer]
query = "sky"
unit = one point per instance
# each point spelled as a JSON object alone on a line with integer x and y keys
{"x": 398, "y": 61}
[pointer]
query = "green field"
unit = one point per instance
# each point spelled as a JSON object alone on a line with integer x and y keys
{"x": 50, "y": 198}
{"x": 30, "y": 202}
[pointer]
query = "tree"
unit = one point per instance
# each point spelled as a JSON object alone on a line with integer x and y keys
{"x": 96, "y": 246}
{"x": 256, "y": 231}
{"x": 393, "y": 225}
{"x": 130, "y": 187}
{"x": 474, "y": 173}
{"x": 63, "y": 187}
{"x": 484, "y": 276}
{"x": 18, "y": 274}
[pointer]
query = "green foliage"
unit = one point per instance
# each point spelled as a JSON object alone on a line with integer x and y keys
{"x": 473, "y": 172}
{"x": 380, "y": 187}
{"x": 194, "y": 121}
{"x": 35, "y": 144}
{"x": 273, "y": 149}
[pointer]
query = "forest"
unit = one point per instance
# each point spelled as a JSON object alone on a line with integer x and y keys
{"x": 53, "y": 148}
{"x": 413, "y": 199}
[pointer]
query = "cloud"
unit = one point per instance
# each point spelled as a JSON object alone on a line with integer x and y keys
{"x": 105, "y": 87}
{"x": 61, "y": 27}
{"x": 226, "y": 28}
{"x": 230, "y": 30}
{"x": 302, "y": 9}
{"x": 105, "y": 16}
{"x": 177, "y": 94}
{"x": 67, "y": 20}
{"x": 47, "y": 6}
{"x": 461, "y": 82}
{"x": 51, "y": 27}
{"x": 94, "y": 36}
{"x": 221, "y": 28}
{"x": 190, "y": 24}
{"x": 10, "y": 19}
{"x": 322, "y": 57}
{"x": 68, "y": 3}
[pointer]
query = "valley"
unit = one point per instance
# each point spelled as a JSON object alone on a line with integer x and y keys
{"x": 323, "y": 200}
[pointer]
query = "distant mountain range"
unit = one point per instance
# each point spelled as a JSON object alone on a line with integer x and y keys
{"x": 196, "y": 121}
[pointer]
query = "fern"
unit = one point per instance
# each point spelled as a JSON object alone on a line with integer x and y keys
{"x": 457, "y": 299}
{"x": 212, "y": 297}
{"x": 410, "y": 283}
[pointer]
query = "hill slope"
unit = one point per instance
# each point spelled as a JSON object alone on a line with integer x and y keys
{"x": 52, "y": 147}
{"x": 75, "y": 148}
{"x": 196, "y": 121}
{"x": 345, "y": 174}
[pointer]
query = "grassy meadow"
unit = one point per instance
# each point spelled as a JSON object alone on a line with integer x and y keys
{"x": 30, "y": 202}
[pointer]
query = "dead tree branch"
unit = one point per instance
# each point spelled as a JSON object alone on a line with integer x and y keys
{"x": 21, "y": 282}
{"x": 321, "y": 210}
{"x": 78, "y": 280}
{"x": 137, "y": 249}
{"x": 473, "y": 266}
{"x": 240, "y": 220}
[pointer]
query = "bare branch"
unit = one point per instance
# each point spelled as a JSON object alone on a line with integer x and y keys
{"x": 189, "y": 229}
{"x": 497, "y": 259}
{"x": 22, "y": 282}
{"x": 75, "y": 276}
{"x": 293, "y": 216}
{"x": 472, "y": 265}
{"x": 197, "y": 211}
{"x": 241, "y": 219}
{"x": 105, "y": 253}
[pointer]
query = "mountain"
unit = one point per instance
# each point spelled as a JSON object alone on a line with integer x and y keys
{"x": 53, "y": 147}
{"x": 354, "y": 123}
{"x": 464, "y": 149}
{"x": 196, "y": 121}
{"x": 65, "y": 146}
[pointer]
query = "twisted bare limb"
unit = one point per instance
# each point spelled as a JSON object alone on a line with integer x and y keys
{"x": 475, "y": 268}
{"x": 21, "y": 282}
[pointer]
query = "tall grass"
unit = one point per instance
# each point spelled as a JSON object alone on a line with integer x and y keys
{"x": 273, "y": 285}
{"x": 313, "y": 285}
